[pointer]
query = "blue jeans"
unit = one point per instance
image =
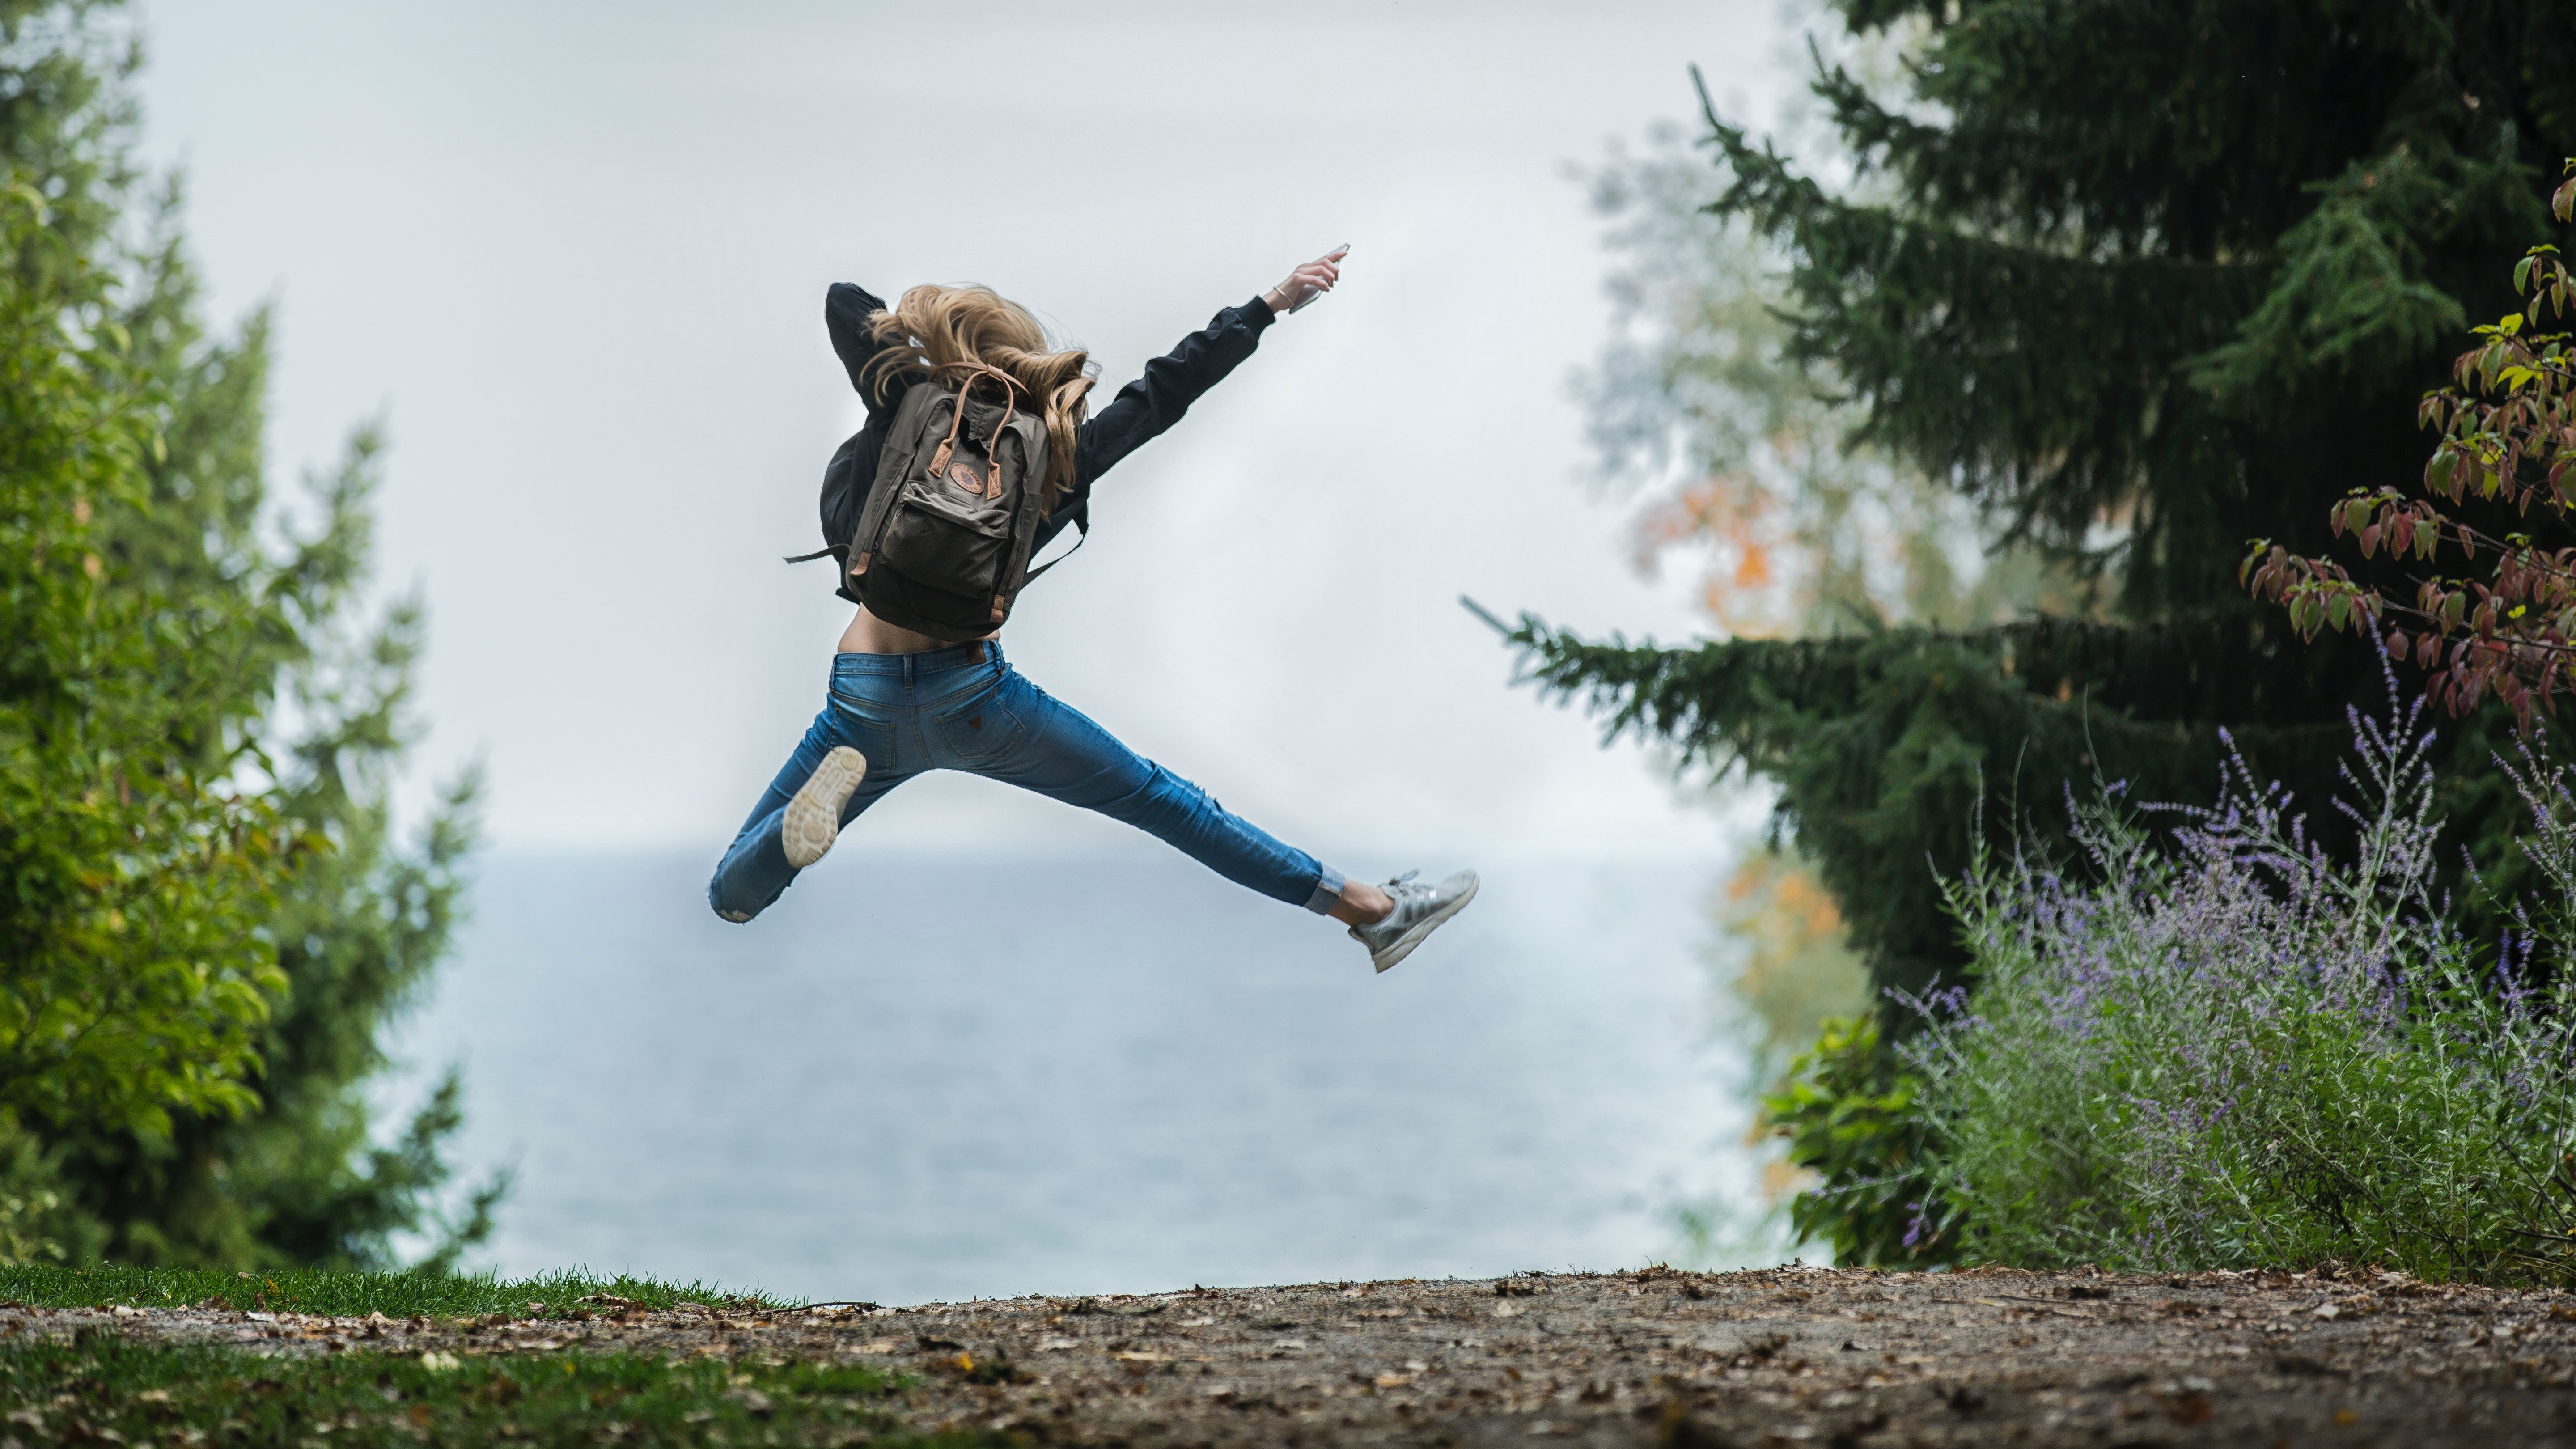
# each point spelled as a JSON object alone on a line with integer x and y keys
{"x": 966, "y": 709}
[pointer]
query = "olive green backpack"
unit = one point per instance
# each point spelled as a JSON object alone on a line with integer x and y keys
{"x": 943, "y": 545}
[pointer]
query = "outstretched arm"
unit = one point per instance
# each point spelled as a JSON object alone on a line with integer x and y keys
{"x": 1146, "y": 407}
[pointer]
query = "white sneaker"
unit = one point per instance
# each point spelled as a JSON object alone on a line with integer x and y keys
{"x": 1419, "y": 910}
{"x": 814, "y": 816}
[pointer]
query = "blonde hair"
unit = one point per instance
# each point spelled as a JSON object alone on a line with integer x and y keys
{"x": 953, "y": 333}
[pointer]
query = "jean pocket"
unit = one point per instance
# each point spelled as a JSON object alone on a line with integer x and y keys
{"x": 982, "y": 729}
{"x": 870, "y": 735}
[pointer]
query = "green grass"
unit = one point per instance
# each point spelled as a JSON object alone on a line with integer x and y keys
{"x": 99, "y": 1382}
{"x": 395, "y": 1295}
{"x": 80, "y": 1391}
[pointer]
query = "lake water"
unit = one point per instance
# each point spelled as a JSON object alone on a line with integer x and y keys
{"x": 935, "y": 1079}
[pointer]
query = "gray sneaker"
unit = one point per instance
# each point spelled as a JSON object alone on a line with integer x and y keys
{"x": 1419, "y": 910}
{"x": 814, "y": 817}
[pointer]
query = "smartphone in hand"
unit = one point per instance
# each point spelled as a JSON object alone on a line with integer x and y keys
{"x": 1335, "y": 255}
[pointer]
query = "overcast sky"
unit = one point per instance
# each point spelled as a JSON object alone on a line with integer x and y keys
{"x": 575, "y": 254}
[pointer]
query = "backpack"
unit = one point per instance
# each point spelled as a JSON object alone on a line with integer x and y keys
{"x": 943, "y": 546}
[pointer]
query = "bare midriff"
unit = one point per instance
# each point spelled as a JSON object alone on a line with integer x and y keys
{"x": 869, "y": 634}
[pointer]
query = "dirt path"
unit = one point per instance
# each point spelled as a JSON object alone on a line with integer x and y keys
{"x": 1789, "y": 1356}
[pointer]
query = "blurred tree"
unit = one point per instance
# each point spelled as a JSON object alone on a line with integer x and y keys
{"x": 1750, "y": 457}
{"x": 2138, "y": 280}
{"x": 133, "y": 881}
{"x": 1744, "y": 457}
{"x": 219, "y": 653}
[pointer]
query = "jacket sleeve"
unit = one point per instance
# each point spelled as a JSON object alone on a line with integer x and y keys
{"x": 846, "y": 310}
{"x": 1152, "y": 403}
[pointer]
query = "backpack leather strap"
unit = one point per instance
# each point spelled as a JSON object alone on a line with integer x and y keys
{"x": 992, "y": 486}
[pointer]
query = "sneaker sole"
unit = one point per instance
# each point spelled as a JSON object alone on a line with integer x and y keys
{"x": 814, "y": 816}
{"x": 1405, "y": 943}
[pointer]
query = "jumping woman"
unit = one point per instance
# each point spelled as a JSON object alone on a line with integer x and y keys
{"x": 977, "y": 451}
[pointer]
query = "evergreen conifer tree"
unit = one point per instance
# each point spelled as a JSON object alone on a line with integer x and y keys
{"x": 2149, "y": 278}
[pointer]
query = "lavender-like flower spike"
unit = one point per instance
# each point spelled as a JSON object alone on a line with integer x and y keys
{"x": 2240, "y": 1048}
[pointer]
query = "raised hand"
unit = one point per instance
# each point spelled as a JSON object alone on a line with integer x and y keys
{"x": 1308, "y": 282}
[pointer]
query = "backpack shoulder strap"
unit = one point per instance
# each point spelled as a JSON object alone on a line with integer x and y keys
{"x": 1081, "y": 521}
{"x": 1082, "y": 535}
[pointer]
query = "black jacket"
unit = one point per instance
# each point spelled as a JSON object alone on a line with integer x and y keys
{"x": 1142, "y": 409}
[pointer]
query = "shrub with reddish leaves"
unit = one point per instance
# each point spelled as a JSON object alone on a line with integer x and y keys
{"x": 2503, "y": 628}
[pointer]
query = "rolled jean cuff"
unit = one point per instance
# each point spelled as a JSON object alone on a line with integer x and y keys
{"x": 1328, "y": 892}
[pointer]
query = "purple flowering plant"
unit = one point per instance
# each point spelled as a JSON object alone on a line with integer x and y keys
{"x": 2239, "y": 1050}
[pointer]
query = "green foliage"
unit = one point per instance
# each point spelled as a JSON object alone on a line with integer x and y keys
{"x": 101, "y": 1386}
{"x": 204, "y": 915}
{"x": 1852, "y": 1114}
{"x": 1894, "y": 750}
{"x": 30, "y": 1205}
{"x": 134, "y": 880}
{"x": 2141, "y": 280}
{"x": 2507, "y": 431}
{"x": 2146, "y": 254}
{"x": 2351, "y": 294}
{"x": 346, "y": 1294}
{"x": 2241, "y": 1052}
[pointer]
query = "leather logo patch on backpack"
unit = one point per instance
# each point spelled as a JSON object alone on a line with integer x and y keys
{"x": 945, "y": 535}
